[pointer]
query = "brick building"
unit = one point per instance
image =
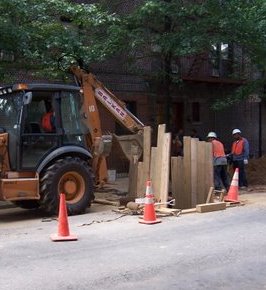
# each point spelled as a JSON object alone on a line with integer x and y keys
{"x": 205, "y": 78}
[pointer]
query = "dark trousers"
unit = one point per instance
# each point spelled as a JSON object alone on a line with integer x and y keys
{"x": 220, "y": 177}
{"x": 242, "y": 174}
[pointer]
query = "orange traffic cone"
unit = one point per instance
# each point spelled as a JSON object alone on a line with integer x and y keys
{"x": 63, "y": 228}
{"x": 232, "y": 194}
{"x": 149, "y": 211}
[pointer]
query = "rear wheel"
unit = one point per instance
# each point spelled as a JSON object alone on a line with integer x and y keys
{"x": 71, "y": 176}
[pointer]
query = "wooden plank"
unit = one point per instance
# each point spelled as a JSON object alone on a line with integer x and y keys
{"x": 140, "y": 192}
{"x": 177, "y": 177}
{"x": 146, "y": 155}
{"x": 170, "y": 211}
{"x": 209, "y": 197}
{"x": 189, "y": 210}
{"x": 179, "y": 202}
{"x": 165, "y": 168}
{"x": 106, "y": 202}
{"x": 194, "y": 171}
{"x": 209, "y": 178}
{"x": 152, "y": 169}
{"x": 174, "y": 185}
{"x": 133, "y": 177}
{"x": 235, "y": 203}
{"x": 207, "y": 207}
{"x": 158, "y": 163}
{"x": 186, "y": 200}
{"x": 201, "y": 198}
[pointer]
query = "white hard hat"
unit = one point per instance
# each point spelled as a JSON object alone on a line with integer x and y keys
{"x": 236, "y": 131}
{"x": 212, "y": 135}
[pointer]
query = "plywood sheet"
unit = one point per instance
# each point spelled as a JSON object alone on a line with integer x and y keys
{"x": 194, "y": 171}
{"x": 177, "y": 177}
{"x": 158, "y": 163}
{"x": 165, "y": 168}
{"x": 146, "y": 155}
{"x": 187, "y": 173}
{"x": 140, "y": 192}
{"x": 201, "y": 188}
{"x": 209, "y": 179}
{"x": 153, "y": 171}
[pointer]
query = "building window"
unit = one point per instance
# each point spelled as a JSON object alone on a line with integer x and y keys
{"x": 195, "y": 106}
{"x": 221, "y": 57}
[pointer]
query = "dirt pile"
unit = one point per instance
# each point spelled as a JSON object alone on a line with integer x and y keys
{"x": 256, "y": 171}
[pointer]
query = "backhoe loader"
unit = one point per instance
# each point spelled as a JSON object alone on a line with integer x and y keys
{"x": 36, "y": 165}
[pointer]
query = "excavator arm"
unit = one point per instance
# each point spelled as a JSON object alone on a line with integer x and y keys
{"x": 95, "y": 93}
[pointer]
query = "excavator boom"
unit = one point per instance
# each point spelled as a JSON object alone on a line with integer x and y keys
{"x": 106, "y": 98}
{"x": 96, "y": 93}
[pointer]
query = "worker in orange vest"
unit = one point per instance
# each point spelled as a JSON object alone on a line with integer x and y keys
{"x": 48, "y": 121}
{"x": 240, "y": 155}
{"x": 219, "y": 162}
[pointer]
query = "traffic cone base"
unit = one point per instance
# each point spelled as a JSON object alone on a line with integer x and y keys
{"x": 57, "y": 238}
{"x": 149, "y": 217}
{"x": 63, "y": 228}
{"x": 156, "y": 221}
{"x": 232, "y": 195}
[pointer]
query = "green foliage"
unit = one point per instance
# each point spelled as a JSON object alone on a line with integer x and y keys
{"x": 32, "y": 32}
{"x": 167, "y": 30}
{"x": 240, "y": 94}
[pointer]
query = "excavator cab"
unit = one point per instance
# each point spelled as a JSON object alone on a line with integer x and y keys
{"x": 51, "y": 141}
{"x": 36, "y": 164}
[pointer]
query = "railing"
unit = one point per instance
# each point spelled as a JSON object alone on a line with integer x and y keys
{"x": 205, "y": 67}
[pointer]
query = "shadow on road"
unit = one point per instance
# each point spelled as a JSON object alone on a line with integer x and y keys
{"x": 17, "y": 214}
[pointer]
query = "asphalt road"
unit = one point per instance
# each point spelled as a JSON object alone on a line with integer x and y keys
{"x": 218, "y": 250}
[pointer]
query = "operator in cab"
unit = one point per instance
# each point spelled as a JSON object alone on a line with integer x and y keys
{"x": 48, "y": 119}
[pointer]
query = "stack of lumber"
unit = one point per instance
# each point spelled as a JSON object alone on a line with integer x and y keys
{"x": 192, "y": 175}
{"x": 155, "y": 165}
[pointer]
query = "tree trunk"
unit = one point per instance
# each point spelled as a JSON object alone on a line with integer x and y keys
{"x": 167, "y": 91}
{"x": 167, "y": 77}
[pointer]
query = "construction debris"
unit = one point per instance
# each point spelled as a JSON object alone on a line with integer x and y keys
{"x": 107, "y": 202}
{"x": 191, "y": 178}
{"x": 256, "y": 171}
{"x": 168, "y": 211}
{"x": 134, "y": 206}
{"x": 207, "y": 207}
{"x": 188, "y": 210}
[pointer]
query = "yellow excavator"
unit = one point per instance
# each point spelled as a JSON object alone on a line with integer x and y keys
{"x": 36, "y": 165}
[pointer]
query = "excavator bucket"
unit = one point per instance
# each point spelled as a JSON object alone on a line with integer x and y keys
{"x": 131, "y": 145}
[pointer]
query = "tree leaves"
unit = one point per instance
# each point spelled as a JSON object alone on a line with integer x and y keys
{"x": 36, "y": 32}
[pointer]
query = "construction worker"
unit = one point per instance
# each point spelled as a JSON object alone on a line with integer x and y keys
{"x": 219, "y": 162}
{"x": 48, "y": 120}
{"x": 194, "y": 134}
{"x": 240, "y": 155}
{"x": 177, "y": 147}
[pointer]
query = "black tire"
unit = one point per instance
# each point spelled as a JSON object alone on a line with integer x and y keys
{"x": 72, "y": 176}
{"x": 27, "y": 204}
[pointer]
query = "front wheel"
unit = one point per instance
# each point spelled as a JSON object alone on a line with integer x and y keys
{"x": 71, "y": 176}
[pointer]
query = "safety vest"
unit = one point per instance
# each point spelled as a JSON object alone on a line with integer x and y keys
{"x": 217, "y": 148}
{"x": 47, "y": 122}
{"x": 238, "y": 147}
